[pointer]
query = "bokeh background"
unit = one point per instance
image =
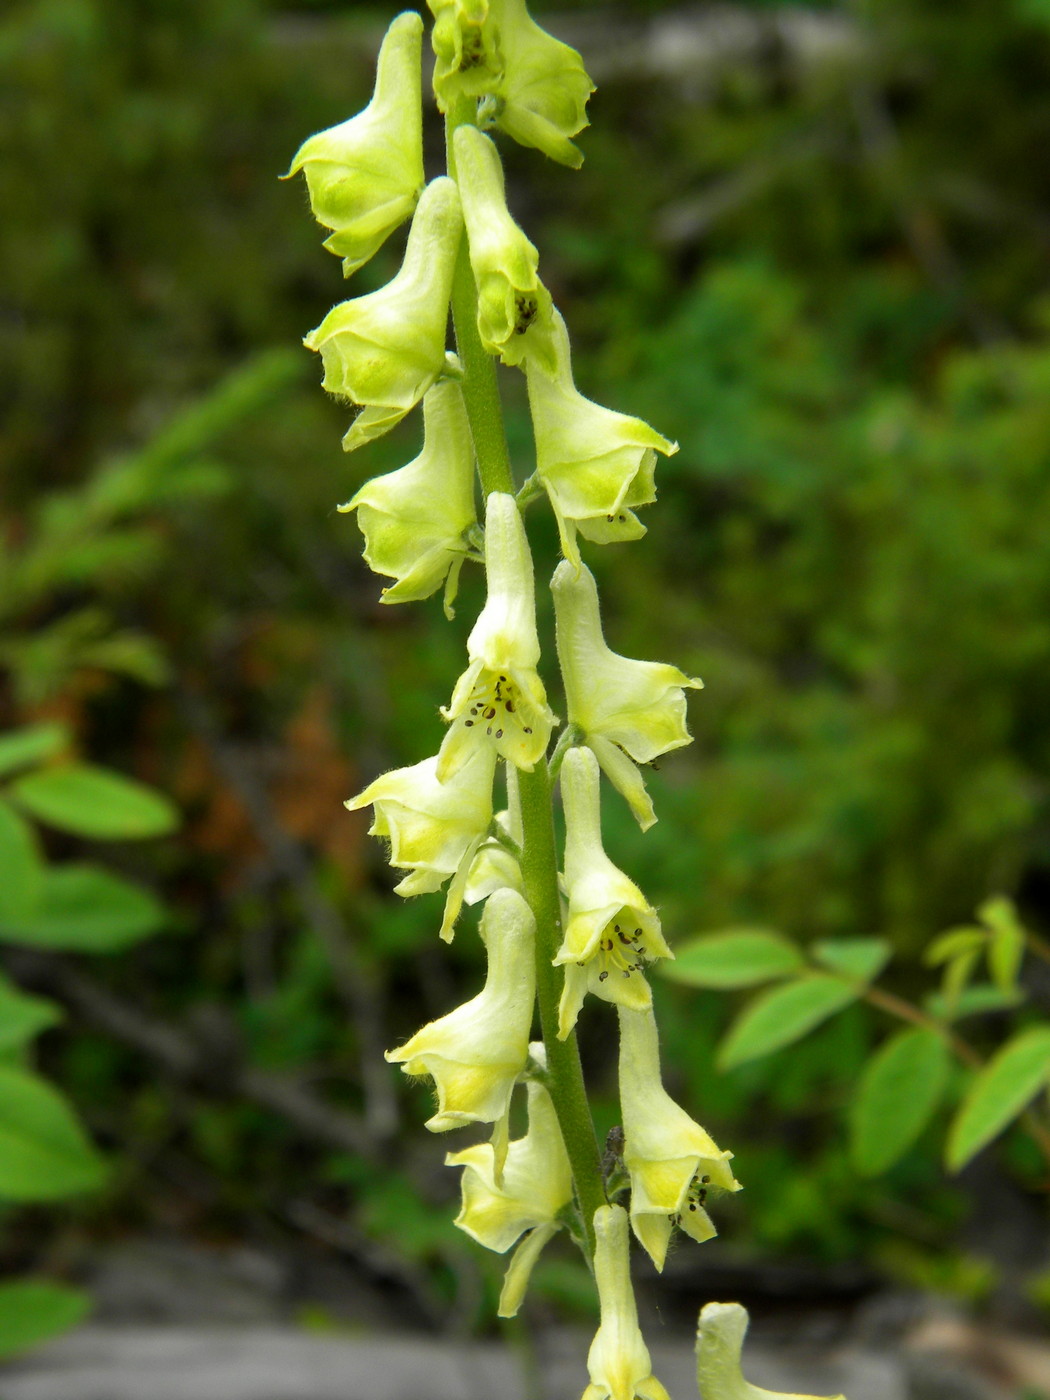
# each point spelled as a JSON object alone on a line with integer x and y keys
{"x": 810, "y": 244}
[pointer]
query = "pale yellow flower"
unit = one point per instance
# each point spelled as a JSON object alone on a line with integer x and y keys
{"x": 475, "y": 1053}
{"x": 534, "y": 1187}
{"x": 499, "y": 701}
{"x": 366, "y": 174}
{"x": 612, "y": 930}
{"x": 629, "y": 711}
{"x": 514, "y": 307}
{"x": 416, "y": 520}
{"x": 670, "y": 1159}
{"x": 719, "y": 1342}
{"x": 595, "y": 464}
{"x": 385, "y": 349}
{"x": 618, "y": 1361}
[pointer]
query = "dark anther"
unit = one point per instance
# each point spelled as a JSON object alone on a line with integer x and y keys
{"x": 602, "y": 976}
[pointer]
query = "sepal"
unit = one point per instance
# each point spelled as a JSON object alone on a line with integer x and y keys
{"x": 595, "y": 464}
{"x": 366, "y": 174}
{"x": 475, "y": 1053}
{"x": 384, "y": 350}
{"x": 415, "y": 520}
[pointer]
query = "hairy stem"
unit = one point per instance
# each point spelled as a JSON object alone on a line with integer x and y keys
{"x": 539, "y": 853}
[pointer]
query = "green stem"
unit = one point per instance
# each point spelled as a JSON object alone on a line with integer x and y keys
{"x": 539, "y": 854}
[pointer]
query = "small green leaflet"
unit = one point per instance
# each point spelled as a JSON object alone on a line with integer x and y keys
{"x": 972, "y": 1001}
{"x": 22, "y": 1017}
{"x": 34, "y": 1310}
{"x": 87, "y": 910}
{"x": 1006, "y": 944}
{"x": 862, "y": 958}
{"x": 93, "y": 802}
{"x": 736, "y": 957}
{"x": 783, "y": 1015}
{"x": 23, "y": 748}
{"x": 44, "y": 1152}
{"x": 999, "y": 1093}
{"x": 900, "y": 1088}
{"x": 21, "y": 868}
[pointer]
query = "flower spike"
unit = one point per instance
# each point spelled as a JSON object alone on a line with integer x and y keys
{"x": 619, "y": 1363}
{"x": 434, "y": 828}
{"x": 719, "y": 1342}
{"x": 596, "y": 465}
{"x": 476, "y": 1052}
{"x": 385, "y": 349}
{"x": 366, "y": 174}
{"x": 499, "y": 701}
{"x": 415, "y": 520}
{"x": 536, "y": 1186}
{"x": 629, "y": 711}
{"x": 514, "y": 307}
{"x": 671, "y": 1160}
{"x": 612, "y": 931}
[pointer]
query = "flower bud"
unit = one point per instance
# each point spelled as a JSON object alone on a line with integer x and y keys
{"x": 366, "y": 174}
{"x": 629, "y": 711}
{"x": 719, "y": 1342}
{"x": 468, "y": 60}
{"x": 611, "y": 931}
{"x": 434, "y": 828}
{"x": 499, "y": 700}
{"x": 536, "y": 1185}
{"x": 514, "y": 307}
{"x": 594, "y": 463}
{"x": 475, "y": 1053}
{"x": 415, "y": 520}
{"x": 618, "y": 1361}
{"x": 671, "y": 1160}
{"x": 384, "y": 350}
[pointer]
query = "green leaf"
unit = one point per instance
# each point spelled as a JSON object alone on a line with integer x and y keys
{"x": 900, "y": 1088}
{"x": 957, "y": 974}
{"x": 861, "y": 958}
{"x": 21, "y": 869}
{"x": 87, "y": 910}
{"x": 22, "y": 748}
{"x": 953, "y": 943}
{"x": 972, "y": 1001}
{"x": 1006, "y": 944}
{"x": 44, "y": 1152}
{"x": 999, "y": 1092}
{"x": 94, "y": 802}
{"x": 23, "y": 1016}
{"x": 783, "y": 1015}
{"x": 34, "y": 1310}
{"x": 738, "y": 957}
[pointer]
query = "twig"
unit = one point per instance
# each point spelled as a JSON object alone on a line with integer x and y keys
{"x": 355, "y": 981}
{"x": 191, "y": 1060}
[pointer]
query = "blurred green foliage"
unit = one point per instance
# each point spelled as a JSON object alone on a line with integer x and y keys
{"x": 820, "y": 267}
